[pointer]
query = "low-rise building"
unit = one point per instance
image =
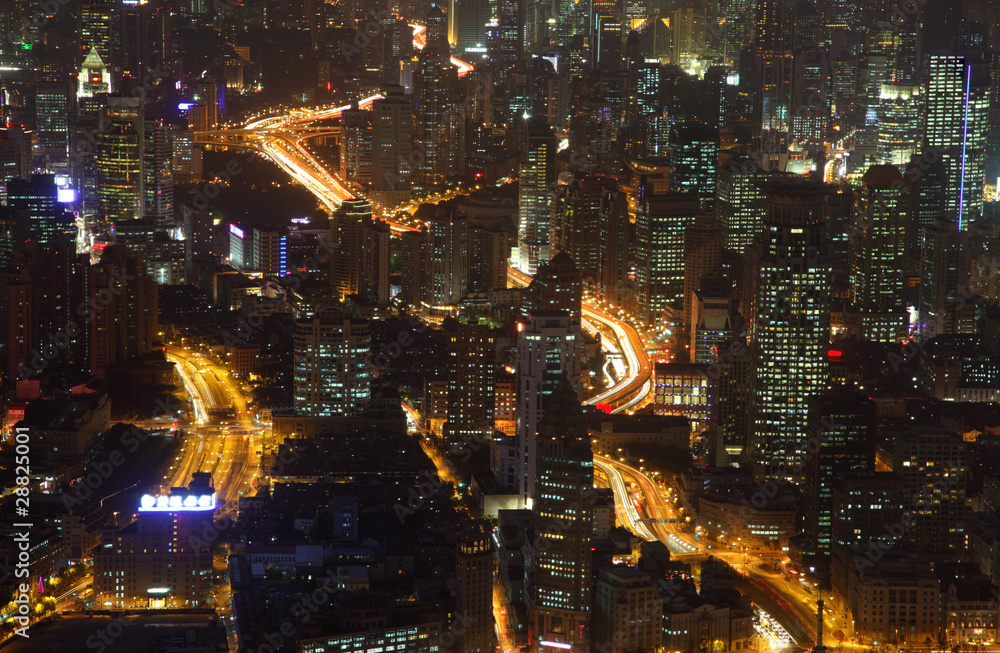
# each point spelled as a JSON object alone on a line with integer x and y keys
{"x": 740, "y": 523}
{"x": 628, "y": 615}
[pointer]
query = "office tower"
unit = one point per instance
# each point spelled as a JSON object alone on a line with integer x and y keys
{"x": 689, "y": 36}
{"x": 627, "y": 613}
{"x": 447, "y": 258}
{"x": 270, "y": 250}
{"x": 211, "y": 94}
{"x": 15, "y": 154}
{"x": 711, "y": 319}
{"x": 471, "y": 372}
{"x": 734, "y": 366}
{"x": 375, "y": 265}
{"x": 577, "y": 212}
{"x": 158, "y": 172}
{"x": 414, "y": 244}
{"x": 95, "y": 27}
{"x": 240, "y": 248}
{"x": 38, "y": 214}
{"x": 616, "y": 247}
{"x": 534, "y": 201}
{"x": 161, "y": 560}
{"x": 862, "y": 505}
{"x": 772, "y": 73}
{"x": 557, "y": 286}
{"x": 790, "y": 321}
{"x": 873, "y": 71}
{"x": 739, "y": 203}
{"x": 346, "y": 230}
{"x": 608, "y": 43}
{"x": 131, "y": 53}
{"x": 474, "y": 587}
{"x": 877, "y": 255}
{"x": 430, "y": 140}
{"x": 471, "y": 17}
{"x": 331, "y": 377}
{"x": 932, "y": 464}
{"x": 695, "y": 155}
{"x": 120, "y": 156}
{"x": 125, "y": 324}
{"x": 508, "y": 42}
{"x": 94, "y": 77}
{"x": 842, "y": 424}
{"x": 957, "y": 110}
{"x": 899, "y": 123}
{"x": 548, "y": 347}
{"x": 392, "y": 139}
{"x": 703, "y": 244}
{"x": 52, "y": 111}
{"x": 565, "y": 520}
{"x": 356, "y": 147}
{"x": 659, "y": 229}
{"x": 488, "y": 253}
{"x": 187, "y": 157}
{"x": 944, "y": 275}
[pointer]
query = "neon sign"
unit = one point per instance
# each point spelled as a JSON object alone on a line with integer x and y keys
{"x": 177, "y": 503}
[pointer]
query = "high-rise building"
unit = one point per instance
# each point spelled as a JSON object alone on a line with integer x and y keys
{"x": 375, "y": 264}
{"x": 488, "y": 254}
{"x": 95, "y": 27}
{"x": 711, "y": 319}
{"x": 158, "y": 172}
{"x": 120, "y": 157}
{"x": 38, "y": 213}
{"x": 356, "y": 147}
{"x": 739, "y": 201}
{"x": 842, "y": 424}
{"x": 474, "y": 587}
{"x": 447, "y": 258}
{"x": 957, "y": 109}
{"x": 52, "y": 111}
{"x": 392, "y": 139}
{"x": 693, "y": 161}
{"x": 627, "y": 614}
{"x": 878, "y": 250}
{"x": 472, "y": 369}
{"x": 899, "y": 123}
{"x": 507, "y": 43}
{"x": 346, "y": 230}
{"x": 577, "y": 215}
{"x": 161, "y": 560}
{"x": 131, "y": 53}
{"x": 661, "y": 219}
{"x": 534, "y": 202}
{"x": 773, "y": 70}
{"x": 270, "y": 250}
{"x": 471, "y": 17}
{"x": 548, "y": 347}
{"x": 790, "y": 321}
{"x": 561, "y": 602}
{"x": 126, "y": 325}
{"x": 430, "y": 130}
{"x": 703, "y": 244}
{"x": 944, "y": 275}
{"x": 932, "y": 464}
{"x": 556, "y": 286}
{"x": 331, "y": 376}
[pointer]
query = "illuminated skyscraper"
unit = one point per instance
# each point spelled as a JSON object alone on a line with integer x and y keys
{"x": 447, "y": 252}
{"x": 957, "y": 111}
{"x": 94, "y": 76}
{"x": 561, "y": 605}
{"x": 331, "y": 353}
{"x": 158, "y": 172}
{"x": 534, "y": 203}
{"x": 660, "y": 223}
{"x": 772, "y": 68}
{"x": 899, "y": 123}
{"x": 877, "y": 243}
{"x": 548, "y": 347}
{"x": 120, "y": 156}
{"x": 346, "y": 231}
{"x": 695, "y": 155}
{"x": 430, "y": 140}
{"x": 131, "y": 54}
{"x": 790, "y": 321}
{"x": 472, "y": 369}
{"x": 95, "y": 27}
{"x": 739, "y": 201}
